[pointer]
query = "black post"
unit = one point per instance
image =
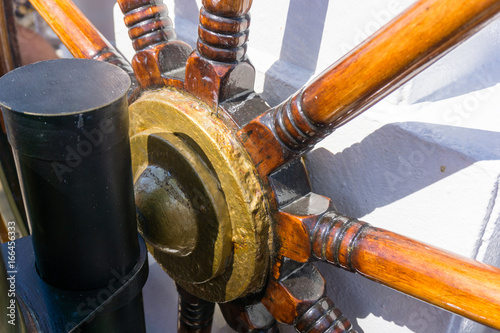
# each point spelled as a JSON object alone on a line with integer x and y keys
{"x": 67, "y": 122}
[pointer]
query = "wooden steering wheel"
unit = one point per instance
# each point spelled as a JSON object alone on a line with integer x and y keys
{"x": 223, "y": 197}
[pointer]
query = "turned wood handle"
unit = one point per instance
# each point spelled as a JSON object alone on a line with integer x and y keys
{"x": 148, "y": 22}
{"x": 76, "y": 32}
{"x": 299, "y": 298}
{"x": 457, "y": 284}
{"x": 223, "y": 30}
{"x": 394, "y": 54}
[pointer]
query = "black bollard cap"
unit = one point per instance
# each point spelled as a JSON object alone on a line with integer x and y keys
{"x": 51, "y": 105}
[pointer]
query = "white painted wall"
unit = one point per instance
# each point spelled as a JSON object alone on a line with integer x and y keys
{"x": 424, "y": 162}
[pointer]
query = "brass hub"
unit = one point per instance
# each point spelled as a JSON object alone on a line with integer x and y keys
{"x": 201, "y": 206}
{"x": 181, "y": 209}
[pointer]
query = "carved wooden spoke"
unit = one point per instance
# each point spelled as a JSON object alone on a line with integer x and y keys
{"x": 210, "y": 156}
{"x": 160, "y": 57}
{"x": 219, "y": 69}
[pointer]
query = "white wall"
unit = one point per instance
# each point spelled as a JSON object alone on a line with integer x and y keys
{"x": 424, "y": 162}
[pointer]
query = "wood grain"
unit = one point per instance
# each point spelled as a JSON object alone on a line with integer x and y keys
{"x": 248, "y": 315}
{"x": 449, "y": 281}
{"x": 228, "y": 8}
{"x": 148, "y": 22}
{"x": 401, "y": 49}
{"x": 77, "y": 33}
{"x": 219, "y": 68}
{"x": 160, "y": 58}
{"x": 394, "y": 54}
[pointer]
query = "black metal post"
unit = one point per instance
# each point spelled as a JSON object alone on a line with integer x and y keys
{"x": 67, "y": 122}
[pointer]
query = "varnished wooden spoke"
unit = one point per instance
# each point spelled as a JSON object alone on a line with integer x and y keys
{"x": 394, "y": 54}
{"x": 248, "y": 315}
{"x": 299, "y": 298}
{"x": 77, "y": 33}
{"x": 455, "y": 283}
{"x": 148, "y": 22}
{"x": 400, "y": 50}
{"x": 160, "y": 58}
{"x": 219, "y": 69}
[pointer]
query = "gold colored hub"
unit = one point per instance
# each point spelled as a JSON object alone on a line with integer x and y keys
{"x": 200, "y": 203}
{"x": 181, "y": 209}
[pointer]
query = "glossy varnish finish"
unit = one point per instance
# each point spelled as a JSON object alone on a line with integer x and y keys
{"x": 394, "y": 54}
{"x": 148, "y": 22}
{"x": 400, "y": 50}
{"x": 81, "y": 38}
{"x": 219, "y": 68}
{"x": 452, "y": 282}
{"x": 299, "y": 298}
{"x": 449, "y": 281}
{"x": 228, "y": 8}
{"x": 160, "y": 58}
{"x": 248, "y": 315}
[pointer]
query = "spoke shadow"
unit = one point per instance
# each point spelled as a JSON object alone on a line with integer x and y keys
{"x": 472, "y": 66}
{"x": 186, "y": 20}
{"x": 394, "y": 162}
{"x": 304, "y": 18}
{"x": 377, "y": 300}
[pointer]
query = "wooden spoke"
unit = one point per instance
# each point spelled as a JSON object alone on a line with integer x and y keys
{"x": 438, "y": 277}
{"x": 285, "y": 285}
{"x": 299, "y": 298}
{"x": 394, "y": 54}
{"x": 148, "y": 22}
{"x": 248, "y": 315}
{"x": 219, "y": 69}
{"x": 77, "y": 33}
{"x": 160, "y": 58}
{"x": 400, "y": 50}
{"x": 195, "y": 315}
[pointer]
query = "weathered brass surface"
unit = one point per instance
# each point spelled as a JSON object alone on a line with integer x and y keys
{"x": 202, "y": 207}
{"x": 181, "y": 209}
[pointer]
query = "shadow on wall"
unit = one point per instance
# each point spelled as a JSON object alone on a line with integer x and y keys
{"x": 304, "y": 18}
{"x": 471, "y": 66}
{"x": 392, "y": 163}
{"x": 186, "y": 17}
{"x": 100, "y": 13}
{"x": 188, "y": 9}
